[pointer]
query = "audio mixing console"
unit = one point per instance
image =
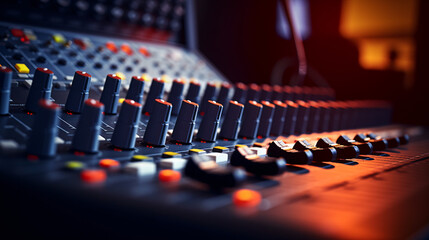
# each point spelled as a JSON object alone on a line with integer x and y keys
{"x": 92, "y": 145}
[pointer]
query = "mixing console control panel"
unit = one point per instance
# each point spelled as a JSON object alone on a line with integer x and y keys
{"x": 82, "y": 120}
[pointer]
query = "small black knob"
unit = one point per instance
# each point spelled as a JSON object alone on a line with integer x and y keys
{"x": 202, "y": 169}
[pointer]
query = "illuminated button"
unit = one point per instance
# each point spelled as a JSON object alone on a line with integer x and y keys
{"x": 218, "y": 157}
{"x": 220, "y": 149}
{"x": 139, "y": 158}
{"x": 22, "y": 68}
{"x": 140, "y": 168}
{"x": 74, "y": 165}
{"x": 170, "y": 154}
{"x": 120, "y": 75}
{"x": 173, "y": 163}
{"x": 240, "y": 145}
{"x": 168, "y": 175}
{"x": 112, "y": 47}
{"x": 144, "y": 51}
{"x": 93, "y": 176}
{"x": 246, "y": 198}
{"x": 127, "y": 49}
{"x": 58, "y": 38}
{"x": 196, "y": 151}
{"x": 108, "y": 163}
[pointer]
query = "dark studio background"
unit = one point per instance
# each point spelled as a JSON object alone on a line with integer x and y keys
{"x": 240, "y": 38}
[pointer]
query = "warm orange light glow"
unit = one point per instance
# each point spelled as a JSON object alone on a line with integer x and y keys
{"x": 246, "y": 198}
{"x": 108, "y": 163}
{"x": 169, "y": 175}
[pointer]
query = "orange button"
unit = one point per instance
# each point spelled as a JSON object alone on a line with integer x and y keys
{"x": 169, "y": 175}
{"x": 144, "y": 51}
{"x": 112, "y": 47}
{"x": 246, "y": 198}
{"x": 127, "y": 49}
{"x": 93, "y": 176}
{"x": 108, "y": 163}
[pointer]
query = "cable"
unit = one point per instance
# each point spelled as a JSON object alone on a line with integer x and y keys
{"x": 297, "y": 40}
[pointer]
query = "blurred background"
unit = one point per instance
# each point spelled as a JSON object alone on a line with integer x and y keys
{"x": 364, "y": 49}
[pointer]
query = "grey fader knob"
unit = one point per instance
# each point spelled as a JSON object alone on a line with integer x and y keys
{"x": 157, "y": 127}
{"x": 185, "y": 122}
{"x": 40, "y": 88}
{"x": 209, "y": 94}
{"x": 41, "y": 142}
{"x": 135, "y": 91}
{"x": 223, "y": 97}
{"x": 266, "y": 119}
{"x": 251, "y": 117}
{"x": 175, "y": 97}
{"x": 278, "y": 118}
{"x": 110, "y": 95}
{"x": 155, "y": 92}
{"x": 232, "y": 121}
{"x": 124, "y": 135}
{"x": 240, "y": 92}
{"x": 85, "y": 138}
{"x": 78, "y": 92}
{"x": 193, "y": 93}
{"x": 209, "y": 124}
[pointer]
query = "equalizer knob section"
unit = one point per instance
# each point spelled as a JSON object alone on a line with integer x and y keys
{"x": 85, "y": 138}
{"x": 41, "y": 142}
{"x": 78, "y": 92}
{"x": 40, "y": 88}
{"x": 124, "y": 135}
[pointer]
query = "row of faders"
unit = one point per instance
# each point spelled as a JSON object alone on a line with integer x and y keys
{"x": 273, "y": 116}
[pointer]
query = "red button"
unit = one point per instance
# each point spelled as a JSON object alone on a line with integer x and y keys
{"x": 93, "y": 176}
{"x": 17, "y": 32}
{"x": 144, "y": 51}
{"x": 169, "y": 175}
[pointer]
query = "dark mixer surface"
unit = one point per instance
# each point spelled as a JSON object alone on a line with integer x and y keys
{"x": 91, "y": 145}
